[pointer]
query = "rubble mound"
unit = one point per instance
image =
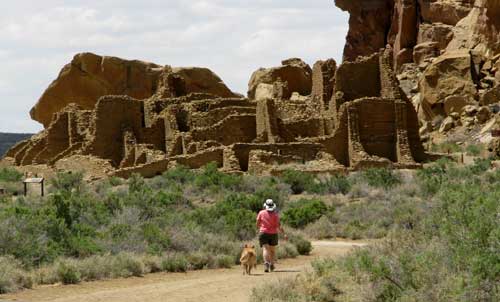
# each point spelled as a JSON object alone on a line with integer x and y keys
{"x": 115, "y": 117}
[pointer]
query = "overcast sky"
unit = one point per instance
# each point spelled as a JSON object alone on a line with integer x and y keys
{"x": 231, "y": 37}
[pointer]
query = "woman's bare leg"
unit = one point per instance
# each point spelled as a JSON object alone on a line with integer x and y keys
{"x": 266, "y": 253}
{"x": 272, "y": 256}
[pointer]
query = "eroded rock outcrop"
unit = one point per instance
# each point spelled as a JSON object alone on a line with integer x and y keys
{"x": 446, "y": 53}
{"x": 89, "y": 76}
{"x": 318, "y": 120}
{"x": 293, "y": 75}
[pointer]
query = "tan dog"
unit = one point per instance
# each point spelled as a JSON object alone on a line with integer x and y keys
{"x": 248, "y": 259}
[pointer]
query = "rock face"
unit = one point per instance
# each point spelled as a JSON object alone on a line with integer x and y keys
{"x": 294, "y": 76}
{"x": 447, "y": 52}
{"x": 89, "y": 76}
{"x": 368, "y": 24}
{"x": 448, "y": 75}
{"x": 318, "y": 120}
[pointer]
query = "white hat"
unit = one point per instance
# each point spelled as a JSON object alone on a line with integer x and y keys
{"x": 269, "y": 205}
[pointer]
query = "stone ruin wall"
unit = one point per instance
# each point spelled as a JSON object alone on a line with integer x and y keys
{"x": 446, "y": 54}
{"x": 343, "y": 128}
{"x": 321, "y": 121}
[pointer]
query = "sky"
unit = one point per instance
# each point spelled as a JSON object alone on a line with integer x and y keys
{"x": 231, "y": 37}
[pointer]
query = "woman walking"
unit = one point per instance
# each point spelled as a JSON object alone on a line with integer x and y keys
{"x": 268, "y": 223}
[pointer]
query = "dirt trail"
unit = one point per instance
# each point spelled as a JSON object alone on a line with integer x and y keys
{"x": 200, "y": 286}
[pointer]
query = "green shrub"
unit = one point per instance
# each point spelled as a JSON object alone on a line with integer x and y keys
{"x": 446, "y": 147}
{"x": 12, "y": 276}
{"x": 152, "y": 263}
{"x": 68, "y": 272}
{"x": 474, "y": 150}
{"x": 230, "y": 216}
{"x": 95, "y": 267}
{"x": 67, "y": 182}
{"x": 10, "y": 175}
{"x": 480, "y": 166}
{"x": 381, "y": 178}
{"x": 287, "y": 250}
{"x": 156, "y": 238}
{"x": 283, "y": 291}
{"x": 322, "y": 267}
{"x": 468, "y": 219}
{"x": 224, "y": 261}
{"x": 304, "y": 247}
{"x": 323, "y": 228}
{"x": 431, "y": 178}
{"x": 303, "y": 212}
{"x": 137, "y": 184}
{"x": 200, "y": 260}
{"x": 175, "y": 263}
{"x": 332, "y": 185}
{"x": 126, "y": 265}
{"x": 211, "y": 178}
{"x": 298, "y": 181}
{"x": 179, "y": 175}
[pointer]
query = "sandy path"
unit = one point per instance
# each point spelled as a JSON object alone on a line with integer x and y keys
{"x": 200, "y": 286}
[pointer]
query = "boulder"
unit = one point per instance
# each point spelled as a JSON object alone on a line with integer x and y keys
{"x": 447, "y": 124}
{"x": 483, "y": 114}
{"x": 491, "y": 96}
{"x": 480, "y": 29}
{"x": 202, "y": 80}
{"x": 424, "y": 51}
{"x": 470, "y": 110}
{"x": 455, "y": 104}
{"x": 297, "y": 77}
{"x": 444, "y": 11}
{"x": 455, "y": 116}
{"x": 439, "y": 33}
{"x": 89, "y": 77}
{"x": 450, "y": 74}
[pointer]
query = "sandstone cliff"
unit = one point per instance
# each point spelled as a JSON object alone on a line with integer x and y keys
{"x": 89, "y": 77}
{"x": 446, "y": 54}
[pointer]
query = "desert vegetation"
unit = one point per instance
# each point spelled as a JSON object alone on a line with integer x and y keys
{"x": 438, "y": 230}
{"x": 441, "y": 232}
{"x": 182, "y": 220}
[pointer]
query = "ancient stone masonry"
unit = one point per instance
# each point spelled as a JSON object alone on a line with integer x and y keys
{"x": 319, "y": 120}
{"x": 446, "y": 54}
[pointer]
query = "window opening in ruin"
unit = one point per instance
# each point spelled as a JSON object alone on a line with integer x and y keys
{"x": 179, "y": 86}
{"x": 182, "y": 121}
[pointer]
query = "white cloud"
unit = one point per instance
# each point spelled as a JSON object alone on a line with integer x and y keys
{"x": 232, "y": 37}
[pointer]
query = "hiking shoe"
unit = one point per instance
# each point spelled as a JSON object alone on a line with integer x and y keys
{"x": 266, "y": 267}
{"x": 272, "y": 267}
